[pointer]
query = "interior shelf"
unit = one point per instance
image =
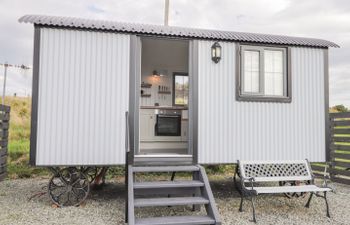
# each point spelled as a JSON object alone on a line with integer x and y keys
{"x": 144, "y": 85}
{"x": 164, "y": 92}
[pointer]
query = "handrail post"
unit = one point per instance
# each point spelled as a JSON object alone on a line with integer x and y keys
{"x": 127, "y": 144}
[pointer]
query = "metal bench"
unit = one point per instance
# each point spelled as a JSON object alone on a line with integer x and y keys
{"x": 257, "y": 177}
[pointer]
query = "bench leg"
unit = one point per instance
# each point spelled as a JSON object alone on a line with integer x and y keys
{"x": 308, "y": 201}
{"x": 327, "y": 207}
{"x": 241, "y": 205}
{"x": 253, "y": 206}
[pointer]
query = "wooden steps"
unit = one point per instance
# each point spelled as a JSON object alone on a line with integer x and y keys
{"x": 148, "y": 169}
{"x": 176, "y": 220}
{"x": 146, "y": 202}
{"x": 168, "y": 184}
{"x": 195, "y": 192}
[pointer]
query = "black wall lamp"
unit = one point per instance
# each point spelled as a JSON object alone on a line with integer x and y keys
{"x": 216, "y": 52}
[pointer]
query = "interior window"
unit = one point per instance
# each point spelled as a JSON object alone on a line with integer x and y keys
{"x": 263, "y": 73}
{"x": 181, "y": 89}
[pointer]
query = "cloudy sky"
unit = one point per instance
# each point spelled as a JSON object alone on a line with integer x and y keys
{"x": 325, "y": 19}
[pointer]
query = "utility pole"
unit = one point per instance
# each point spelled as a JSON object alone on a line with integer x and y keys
{"x": 6, "y": 65}
{"x": 166, "y": 13}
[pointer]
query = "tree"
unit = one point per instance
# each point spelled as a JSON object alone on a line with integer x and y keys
{"x": 340, "y": 108}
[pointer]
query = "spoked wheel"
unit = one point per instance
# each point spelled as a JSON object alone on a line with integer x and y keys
{"x": 91, "y": 173}
{"x": 293, "y": 194}
{"x": 69, "y": 187}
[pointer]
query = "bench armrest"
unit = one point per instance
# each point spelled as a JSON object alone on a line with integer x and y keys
{"x": 251, "y": 180}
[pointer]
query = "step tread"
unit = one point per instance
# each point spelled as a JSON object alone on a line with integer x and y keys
{"x": 175, "y": 220}
{"x": 145, "y": 202}
{"x": 165, "y": 168}
{"x": 168, "y": 184}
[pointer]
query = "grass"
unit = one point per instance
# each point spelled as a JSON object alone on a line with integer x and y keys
{"x": 19, "y": 134}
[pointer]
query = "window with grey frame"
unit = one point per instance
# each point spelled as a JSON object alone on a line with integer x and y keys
{"x": 180, "y": 89}
{"x": 263, "y": 74}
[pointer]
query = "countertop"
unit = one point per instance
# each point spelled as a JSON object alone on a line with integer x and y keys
{"x": 165, "y": 107}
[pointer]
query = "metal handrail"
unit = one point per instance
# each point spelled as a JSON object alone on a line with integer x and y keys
{"x": 127, "y": 138}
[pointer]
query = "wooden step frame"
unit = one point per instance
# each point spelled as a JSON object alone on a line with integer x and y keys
{"x": 198, "y": 174}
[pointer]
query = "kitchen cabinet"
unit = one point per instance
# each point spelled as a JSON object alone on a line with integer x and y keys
{"x": 147, "y": 122}
{"x": 147, "y": 128}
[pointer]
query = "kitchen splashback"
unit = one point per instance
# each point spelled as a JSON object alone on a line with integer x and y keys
{"x": 164, "y": 98}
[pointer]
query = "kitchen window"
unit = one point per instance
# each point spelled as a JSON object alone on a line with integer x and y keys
{"x": 263, "y": 74}
{"x": 181, "y": 88}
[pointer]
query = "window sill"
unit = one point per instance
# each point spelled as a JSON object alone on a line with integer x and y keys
{"x": 250, "y": 98}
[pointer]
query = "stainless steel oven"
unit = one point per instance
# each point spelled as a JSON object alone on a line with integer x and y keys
{"x": 168, "y": 123}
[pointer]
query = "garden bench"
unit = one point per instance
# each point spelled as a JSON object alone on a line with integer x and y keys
{"x": 257, "y": 177}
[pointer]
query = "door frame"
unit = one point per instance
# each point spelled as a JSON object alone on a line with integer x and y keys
{"x": 134, "y": 103}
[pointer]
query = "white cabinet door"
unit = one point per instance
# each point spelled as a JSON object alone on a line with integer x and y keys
{"x": 147, "y": 122}
{"x": 144, "y": 127}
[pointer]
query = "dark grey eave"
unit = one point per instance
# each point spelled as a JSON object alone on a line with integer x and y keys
{"x": 158, "y": 30}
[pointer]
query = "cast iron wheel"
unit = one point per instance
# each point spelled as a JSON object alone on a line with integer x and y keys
{"x": 69, "y": 187}
{"x": 91, "y": 173}
{"x": 293, "y": 183}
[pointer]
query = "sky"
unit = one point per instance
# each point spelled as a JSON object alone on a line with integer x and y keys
{"x": 325, "y": 19}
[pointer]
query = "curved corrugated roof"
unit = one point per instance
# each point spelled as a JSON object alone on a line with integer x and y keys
{"x": 173, "y": 31}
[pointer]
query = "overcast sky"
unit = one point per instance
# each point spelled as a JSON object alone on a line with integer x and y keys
{"x": 325, "y": 19}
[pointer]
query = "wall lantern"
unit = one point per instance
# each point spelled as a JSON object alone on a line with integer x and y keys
{"x": 216, "y": 52}
{"x": 155, "y": 73}
{"x": 159, "y": 73}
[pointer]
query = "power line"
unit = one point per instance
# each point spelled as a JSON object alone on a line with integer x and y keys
{"x": 6, "y": 65}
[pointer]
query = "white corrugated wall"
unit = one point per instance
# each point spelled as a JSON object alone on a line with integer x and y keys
{"x": 230, "y": 130}
{"x": 83, "y": 96}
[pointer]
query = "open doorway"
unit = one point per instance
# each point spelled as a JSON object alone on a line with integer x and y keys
{"x": 164, "y": 98}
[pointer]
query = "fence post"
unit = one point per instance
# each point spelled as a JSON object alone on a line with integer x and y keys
{"x": 4, "y": 127}
{"x": 339, "y": 148}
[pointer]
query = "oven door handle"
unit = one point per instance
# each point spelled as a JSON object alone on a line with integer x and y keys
{"x": 173, "y": 116}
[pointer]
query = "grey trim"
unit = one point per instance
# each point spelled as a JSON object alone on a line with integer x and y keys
{"x": 132, "y": 28}
{"x": 35, "y": 97}
{"x": 162, "y": 161}
{"x": 173, "y": 89}
{"x": 289, "y": 73}
{"x": 326, "y": 105}
{"x": 208, "y": 194}
{"x": 193, "y": 101}
{"x": 259, "y": 98}
{"x": 131, "y": 214}
{"x": 134, "y": 90}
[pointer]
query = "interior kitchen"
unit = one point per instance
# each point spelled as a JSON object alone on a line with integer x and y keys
{"x": 164, "y": 97}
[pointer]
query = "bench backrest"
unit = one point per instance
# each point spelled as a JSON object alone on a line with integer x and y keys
{"x": 264, "y": 171}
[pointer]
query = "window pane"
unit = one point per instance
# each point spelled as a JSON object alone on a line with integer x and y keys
{"x": 251, "y": 71}
{"x": 273, "y": 62}
{"x": 181, "y": 89}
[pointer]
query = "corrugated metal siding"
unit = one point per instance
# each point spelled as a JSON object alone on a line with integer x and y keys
{"x": 230, "y": 130}
{"x": 173, "y": 31}
{"x": 83, "y": 96}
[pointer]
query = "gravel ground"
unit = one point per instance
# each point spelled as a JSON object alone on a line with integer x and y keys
{"x": 107, "y": 206}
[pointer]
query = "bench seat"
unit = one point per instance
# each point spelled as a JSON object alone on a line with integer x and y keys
{"x": 277, "y": 177}
{"x": 291, "y": 189}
